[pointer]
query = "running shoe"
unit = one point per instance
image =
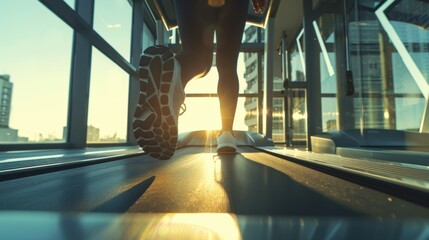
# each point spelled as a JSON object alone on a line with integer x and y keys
{"x": 226, "y": 143}
{"x": 161, "y": 96}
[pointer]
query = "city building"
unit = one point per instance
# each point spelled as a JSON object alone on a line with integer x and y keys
{"x": 6, "y": 134}
{"x": 251, "y": 104}
{"x": 385, "y": 84}
{"x": 93, "y": 134}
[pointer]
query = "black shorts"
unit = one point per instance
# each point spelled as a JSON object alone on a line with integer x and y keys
{"x": 164, "y": 10}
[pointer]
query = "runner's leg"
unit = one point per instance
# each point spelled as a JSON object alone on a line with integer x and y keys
{"x": 196, "y": 27}
{"x": 229, "y": 32}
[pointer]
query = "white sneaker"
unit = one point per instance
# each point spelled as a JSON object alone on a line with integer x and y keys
{"x": 226, "y": 143}
{"x": 161, "y": 96}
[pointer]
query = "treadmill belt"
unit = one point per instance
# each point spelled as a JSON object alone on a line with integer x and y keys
{"x": 199, "y": 180}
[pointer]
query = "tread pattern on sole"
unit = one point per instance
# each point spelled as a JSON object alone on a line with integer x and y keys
{"x": 154, "y": 126}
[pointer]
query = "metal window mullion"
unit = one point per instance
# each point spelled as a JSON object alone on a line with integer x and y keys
{"x": 80, "y": 79}
{"x": 314, "y": 113}
{"x": 160, "y": 33}
{"x": 424, "y": 126}
{"x": 268, "y": 79}
{"x": 148, "y": 18}
{"x": 344, "y": 103}
{"x": 259, "y": 35}
{"x": 75, "y": 20}
{"x": 324, "y": 50}
{"x": 260, "y": 93}
{"x": 136, "y": 50}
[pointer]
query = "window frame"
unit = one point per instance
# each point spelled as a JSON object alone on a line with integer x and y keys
{"x": 80, "y": 20}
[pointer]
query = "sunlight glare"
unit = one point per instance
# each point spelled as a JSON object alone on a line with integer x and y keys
{"x": 203, "y": 113}
{"x": 208, "y": 142}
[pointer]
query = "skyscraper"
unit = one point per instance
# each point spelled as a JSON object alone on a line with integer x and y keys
{"x": 6, "y": 134}
{"x": 251, "y": 104}
{"x": 5, "y": 100}
{"x": 251, "y": 76}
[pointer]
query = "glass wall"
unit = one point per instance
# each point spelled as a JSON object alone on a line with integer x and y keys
{"x": 148, "y": 39}
{"x": 71, "y": 3}
{"x": 278, "y": 120}
{"x": 112, "y": 20}
{"x": 203, "y": 113}
{"x": 390, "y": 61}
{"x": 246, "y": 71}
{"x": 388, "y": 56}
{"x": 35, "y": 82}
{"x": 252, "y": 114}
{"x": 36, "y": 72}
{"x": 296, "y": 95}
{"x": 250, "y": 34}
{"x": 299, "y": 117}
{"x": 108, "y": 101}
{"x": 297, "y": 59}
{"x": 324, "y": 29}
{"x": 251, "y": 75}
{"x": 246, "y": 117}
{"x": 35, "y": 68}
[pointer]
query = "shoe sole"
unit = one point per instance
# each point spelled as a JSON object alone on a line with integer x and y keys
{"x": 155, "y": 128}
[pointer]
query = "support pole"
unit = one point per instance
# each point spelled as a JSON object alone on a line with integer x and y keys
{"x": 312, "y": 72}
{"x": 268, "y": 79}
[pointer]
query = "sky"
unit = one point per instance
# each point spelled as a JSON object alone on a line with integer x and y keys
{"x": 35, "y": 51}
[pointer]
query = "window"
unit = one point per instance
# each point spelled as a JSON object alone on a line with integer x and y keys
{"x": 390, "y": 66}
{"x": 208, "y": 84}
{"x": 278, "y": 120}
{"x": 148, "y": 39}
{"x": 324, "y": 29}
{"x": 206, "y": 109}
{"x": 297, "y": 59}
{"x": 299, "y": 117}
{"x": 108, "y": 101}
{"x": 203, "y": 113}
{"x": 37, "y": 80}
{"x": 250, "y": 34}
{"x": 71, "y": 3}
{"x": 112, "y": 20}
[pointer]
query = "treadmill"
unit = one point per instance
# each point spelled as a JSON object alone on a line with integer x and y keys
{"x": 261, "y": 192}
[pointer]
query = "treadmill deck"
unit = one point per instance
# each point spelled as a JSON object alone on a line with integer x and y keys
{"x": 198, "y": 195}
{"x": 197, "y": 180}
